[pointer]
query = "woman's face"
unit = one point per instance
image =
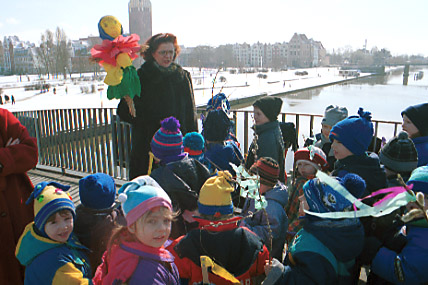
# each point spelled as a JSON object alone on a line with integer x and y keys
{"x": 164, "y": 55}
{"x": 409, "y": 127}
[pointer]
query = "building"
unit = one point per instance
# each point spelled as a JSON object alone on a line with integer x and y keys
{"x": 80, "y": 54}
{"x": 140, "y": 22}
{"x": 304, "y": 52}
{"x": 18, "y": 57}
{"x": 261, "y": 55}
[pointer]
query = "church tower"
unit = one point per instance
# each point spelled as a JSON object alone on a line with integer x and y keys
{"x": 140, "y": 22}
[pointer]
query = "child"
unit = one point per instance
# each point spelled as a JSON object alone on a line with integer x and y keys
{"x": 239, "y": 251}
{"x": 180, "y": 176}
{"x": 351, "y": 138}
{"x": 269, "y": 138}
{"x": 398, "y": 156}
{"x": 136, "y": 253}
{"x": 324, "y": 251}
{"x": 48, "y": 248}
{"x": 415, "y": 123}
{"x": 307, "y": 162}
{"x": 332, "y": 115}
{"x": 219, "y": 153}
{"x": 97, "y": 215}
{"x": 194, "y": 145}
{"x": 271, "y": 225}
{"x": 409, "y": 266}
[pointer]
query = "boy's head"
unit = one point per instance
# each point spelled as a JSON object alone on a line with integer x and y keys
{"x": 332, "y": 115}
{"x": 167, "y": 143}
{"x": 415, "y": 120}
{"x": 355, "y": 132}
{"x": 270, "y": 108}
{"x": 216, "y": 126}
{"x": 309, "y": 160}
{"x": 49, "y": 199}
{"x": 268, "y": 170}
{"x": 399, "y": 154}
{"x": 194, "y": 145}
{"x": 97, "y": 191}
{"x": 215, "y": 198}
{"x": 321, "y": 198}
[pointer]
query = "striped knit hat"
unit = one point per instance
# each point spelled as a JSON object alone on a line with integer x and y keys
{"x": 268, "y": 170}
{"x": 167, "y": 143}
{"x": 215, "y": 197}
{"x": 313, "y": 155}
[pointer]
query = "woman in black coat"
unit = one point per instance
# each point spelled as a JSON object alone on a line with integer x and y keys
{"x": 166, "y": 90}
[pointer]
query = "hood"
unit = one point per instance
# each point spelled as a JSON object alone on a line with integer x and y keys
{"x": 279, "y": 194}
{"x": 31, "y": 245}
{"x": 344, "y": 238}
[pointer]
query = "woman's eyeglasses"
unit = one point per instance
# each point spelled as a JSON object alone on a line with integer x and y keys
{"x": 166, "y": 52}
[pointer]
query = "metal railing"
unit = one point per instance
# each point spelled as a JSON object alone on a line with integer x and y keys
{"x": 95, "y": 140}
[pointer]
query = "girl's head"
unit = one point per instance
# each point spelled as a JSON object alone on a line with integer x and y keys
{"x": 309, "y": 160}
{"x": 162, "y": 48}
{"x": 59, "y": 225}
{"x": 415, "y": 120}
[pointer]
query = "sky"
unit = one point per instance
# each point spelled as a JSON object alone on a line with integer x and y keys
{"x": 399, "y": 26}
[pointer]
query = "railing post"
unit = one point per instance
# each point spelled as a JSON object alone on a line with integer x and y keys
{"x": 311, "y": 126}
{"x": 375, "y": 136}
{"x": 245, "y": 131}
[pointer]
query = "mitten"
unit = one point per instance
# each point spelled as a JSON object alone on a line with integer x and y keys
{"x": 276, "y": 270}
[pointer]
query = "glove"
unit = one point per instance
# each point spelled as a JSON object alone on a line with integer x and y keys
{"x": 275, "y": 272}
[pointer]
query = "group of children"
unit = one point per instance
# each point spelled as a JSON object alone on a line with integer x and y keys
{"x": 179, "y": 224}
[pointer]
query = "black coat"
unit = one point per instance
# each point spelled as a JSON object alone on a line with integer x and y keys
{"x": 164, "y": 93}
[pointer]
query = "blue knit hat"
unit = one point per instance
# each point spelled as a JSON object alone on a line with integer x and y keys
{"x": 97, "y": 191}
{"x": 139, "y": 196}
{"x": 419, "y": 179}
{"x": 355, "y": 132}
{"x": 194, "y": 145}
{"x": 321, "y": 198}
{"x": 167, "y": 143}
{"x": 218, "y": 101}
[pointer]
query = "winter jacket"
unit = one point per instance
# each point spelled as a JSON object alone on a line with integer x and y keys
{"x": 136, "y": 263}
{"x": 410, "y": 266}
{"x": 270, "y": 144}
{"x": 182, "y": 180}
{"x": 421, "y": 144}
{"x": 323, "y": 252}
{"x": 219, "y": 156}
{"x": 15, "y": 188}
{"x": 51, "y": 262}
{"x": 293, "y": 205}
{"x": 276, "y": 217}
{"x": 164, "y": 93}
{"x": 238, "y": 250}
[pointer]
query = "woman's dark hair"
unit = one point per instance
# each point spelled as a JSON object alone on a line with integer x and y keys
{"x": 154, "y": 42}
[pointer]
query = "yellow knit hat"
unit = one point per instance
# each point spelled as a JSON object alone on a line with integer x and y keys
{"x": 215, "y": 195}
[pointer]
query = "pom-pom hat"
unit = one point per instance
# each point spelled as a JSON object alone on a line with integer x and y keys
{"x": 215, "y": 195}
{"x": 268, "y": 170}
{"x": 399, "y": 154}
{"x": 270, "y": 106}
{"x": 312, "y": 155}
{"x": 355, "y": 132}
{"x": 333, "y": 115}
{"x": 167, "y": 143}
{"x": 321, "y": 198}
{"x": 49, "y": 198}
{"x": 194, "y": 145}
{"x": 141, "y": 195}
{"x": 97, "y": 191}
{"x": 419, "y": 179}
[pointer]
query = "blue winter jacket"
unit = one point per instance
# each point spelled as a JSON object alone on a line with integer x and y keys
{"x": 421, "y": 144}
{"x": 51, "y": 262}
{"x": 219, "y": 156}
{"x": 277, "y": 198}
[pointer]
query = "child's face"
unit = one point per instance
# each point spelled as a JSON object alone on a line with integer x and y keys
{"x": 259, "y": 117}
{"x": 60, "y": 227}
{"x": 325, "y": 130}
{"x": 154, "y": 227}
{"x": 306, "y": 169}
{"x": 409, "y": 127}
{"x": 340, "y": 151}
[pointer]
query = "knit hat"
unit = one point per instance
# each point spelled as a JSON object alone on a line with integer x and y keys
{"x": 194, "y": 145}
{"x": 268, "y": 170}
{"x": 270, "y": 106}
{"x": 167, "y": 143}
{"x": 334, "y": 114}
{"x": 49, "y": 198}
{"x": 216, "y": 126}
{"x": 312, "y": 155}
{"x": 419, "y": 179}
{"x": 97, "y": 191}
{"x": 321, "y": 198}
{"x": 418, "y": 114}
{"x": 218, "y": 101}
{"x": 399, "y": 154}
{"x": 140, "y": 195}
{"x": 355, "y": 132}
{"x": 215, "y": 195}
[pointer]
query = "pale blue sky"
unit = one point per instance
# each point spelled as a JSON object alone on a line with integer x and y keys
{"x": 398, "y": 25}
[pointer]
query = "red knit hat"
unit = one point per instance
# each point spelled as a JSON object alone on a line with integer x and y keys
{"x": 313, "y": 155}
{"x": 268, "y": 170}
